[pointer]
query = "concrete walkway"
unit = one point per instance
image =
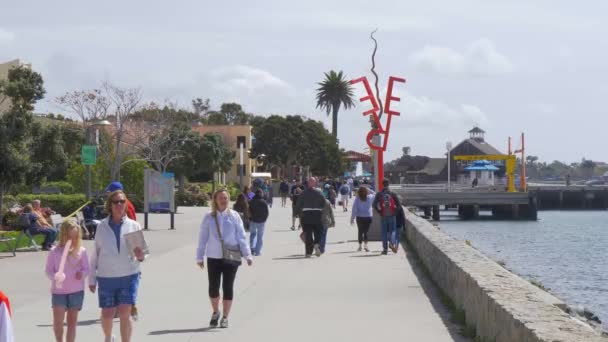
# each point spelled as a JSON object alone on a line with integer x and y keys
{"x": 347, "y": 295}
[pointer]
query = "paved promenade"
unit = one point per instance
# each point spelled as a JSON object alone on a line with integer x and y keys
{"x": 343, "y": 295}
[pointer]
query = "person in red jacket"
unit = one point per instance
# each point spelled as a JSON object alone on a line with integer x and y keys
{"x": 6, "y": 326}
{"x": 130, "y": 207}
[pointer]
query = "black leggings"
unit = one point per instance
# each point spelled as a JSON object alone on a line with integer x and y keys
{"x": 216, "y": 269}
{"x": 363, "y": 224}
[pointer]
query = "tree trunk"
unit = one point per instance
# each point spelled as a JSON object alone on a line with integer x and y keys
{"x": 182, "y": 182}
{"x": 334, "y": 122}
{"x": 1, "y": 203}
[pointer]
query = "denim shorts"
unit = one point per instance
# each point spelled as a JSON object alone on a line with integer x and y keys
{"x": 69, "y": 301}
{"x": 115, "y": 291}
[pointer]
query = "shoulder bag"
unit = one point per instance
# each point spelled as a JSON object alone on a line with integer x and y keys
{"x": 230, "y": 256}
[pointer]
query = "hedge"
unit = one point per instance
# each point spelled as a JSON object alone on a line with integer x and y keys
{"x": 65, "y": 187}
{"x": 62, "y": 204}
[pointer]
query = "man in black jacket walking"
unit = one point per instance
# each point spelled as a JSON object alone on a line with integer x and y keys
{"x": 310, "y": 209}
{"x": 258, "y": 212}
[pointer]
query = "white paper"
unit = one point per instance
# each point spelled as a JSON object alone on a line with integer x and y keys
{"x": 136, "y": 239}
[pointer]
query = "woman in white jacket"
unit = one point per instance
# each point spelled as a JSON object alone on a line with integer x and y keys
{"x": 114, "y": 268}
{"x": 229, "y": 223}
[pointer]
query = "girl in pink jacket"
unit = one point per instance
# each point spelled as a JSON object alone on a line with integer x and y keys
{"x": 67, "y": 295}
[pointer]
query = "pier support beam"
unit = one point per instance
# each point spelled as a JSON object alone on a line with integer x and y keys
{"x": 469, "y": 211}
{"x": 427, "y": 212}
{"x": 436, "y": 215}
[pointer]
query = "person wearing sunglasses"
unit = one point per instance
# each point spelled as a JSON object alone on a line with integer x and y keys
{"x": 130, "y": 207}
{"x": 115, "y": 271}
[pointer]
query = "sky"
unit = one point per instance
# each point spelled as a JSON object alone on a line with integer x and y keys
{"x": 505, "y": 66}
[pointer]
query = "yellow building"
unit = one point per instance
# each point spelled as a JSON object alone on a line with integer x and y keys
{"x": 5, "y": 103}
{"x": 233, "y": 135}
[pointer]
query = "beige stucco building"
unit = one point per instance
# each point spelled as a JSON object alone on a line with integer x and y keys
{"x": 232, "y": 136}
{"x": 4, "y": 68}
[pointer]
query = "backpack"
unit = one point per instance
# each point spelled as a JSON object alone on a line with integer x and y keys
{"x": 284, "y": 187}
{"x": 387, "y": 204}
{"x": 344, "y": 189}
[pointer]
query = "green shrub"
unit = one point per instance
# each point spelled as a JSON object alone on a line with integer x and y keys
{"x": 187, "y": 198}
{"x": 65, "y": 187}
{"x": 234, "y": 190}
{"x": 62, "y": 204}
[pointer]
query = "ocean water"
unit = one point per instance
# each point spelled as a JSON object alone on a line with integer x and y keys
{"x": 566, "y": 251}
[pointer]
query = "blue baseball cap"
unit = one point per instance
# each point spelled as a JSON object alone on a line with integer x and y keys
{"x": 114, "y": 186}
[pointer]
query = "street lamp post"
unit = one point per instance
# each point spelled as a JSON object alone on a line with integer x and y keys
{"x": 241, "y": 167}
{"x": 88, "y": 142}
{"x": 448, "y": 147}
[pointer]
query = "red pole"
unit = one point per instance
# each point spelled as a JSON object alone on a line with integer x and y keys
{"x": 380, "y": 169}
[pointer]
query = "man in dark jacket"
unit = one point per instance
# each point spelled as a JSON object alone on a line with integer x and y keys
{"x": 310, "y": 209}
{"x": 258, "y": 214}
{"x": 386, "y": 203}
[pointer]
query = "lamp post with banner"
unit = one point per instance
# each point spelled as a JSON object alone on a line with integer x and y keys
{"x": 89, "y": 152}
{"x": 448, "y": 147}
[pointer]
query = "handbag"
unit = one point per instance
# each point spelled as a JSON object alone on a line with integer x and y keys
{"x": 230, "y": 256}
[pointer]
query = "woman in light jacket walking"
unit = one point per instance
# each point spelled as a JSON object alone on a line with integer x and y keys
{"x": 114, "y": 268}
{"x": 362, "y": 213}
{"x": 229, "y": 223}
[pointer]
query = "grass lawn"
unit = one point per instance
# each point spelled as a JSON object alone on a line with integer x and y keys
{"x": 23, "y": 243}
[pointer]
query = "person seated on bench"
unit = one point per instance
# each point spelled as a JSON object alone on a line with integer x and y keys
{"x": 90, "y": 218}
{"x": 43, "y": 214}
{"x": 38, "y": 226}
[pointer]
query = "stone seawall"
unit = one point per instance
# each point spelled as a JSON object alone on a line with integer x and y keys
{"x": 501, "y": 306}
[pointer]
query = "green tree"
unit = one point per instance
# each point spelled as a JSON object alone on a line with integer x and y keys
{"x": 295, "y": 141}
{"x": 587, "y": 167}
{"x": 214, "y": 155}
{"x": 334, "y": 91}
{"x": 23, "y": 88}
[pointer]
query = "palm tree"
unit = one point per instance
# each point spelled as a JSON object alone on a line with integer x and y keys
{"x": 333, "y": 92}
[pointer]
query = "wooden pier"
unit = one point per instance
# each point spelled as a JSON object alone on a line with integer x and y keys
{"x": 574, "y": 197}
{"x": 502, "y": 204}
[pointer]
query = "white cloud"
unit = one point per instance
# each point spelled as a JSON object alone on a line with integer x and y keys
{"x": 480, "y": 58}
{"x": 425, "y": 112}
{"x": 6, "y": 36}
{"x": 248, "y": 81}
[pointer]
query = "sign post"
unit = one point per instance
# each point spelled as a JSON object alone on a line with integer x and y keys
{"x": 159, "y": 194}
{"x": 88, "y": 158}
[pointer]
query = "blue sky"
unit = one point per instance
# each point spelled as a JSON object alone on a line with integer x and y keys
{"x": 508, "y": 67}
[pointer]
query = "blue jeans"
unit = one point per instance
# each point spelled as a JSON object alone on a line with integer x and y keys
{"x": 323, "y": 239}
{"x": 397, "y": 235}
{"x": 50, "y": 234}
{"x": 389, "y": 225}
{"x": 256, "y": 237}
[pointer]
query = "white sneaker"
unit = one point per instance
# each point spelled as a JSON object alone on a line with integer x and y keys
{"x": 110, "y": 339}
{"x": 317, "y": 250}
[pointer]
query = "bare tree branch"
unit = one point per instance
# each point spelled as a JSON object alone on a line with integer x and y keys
{"x": 125, "y": 102}
{"x": 89, "y": 105}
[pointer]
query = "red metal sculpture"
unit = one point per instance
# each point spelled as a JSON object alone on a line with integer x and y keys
{"x": 379, "y": 129}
